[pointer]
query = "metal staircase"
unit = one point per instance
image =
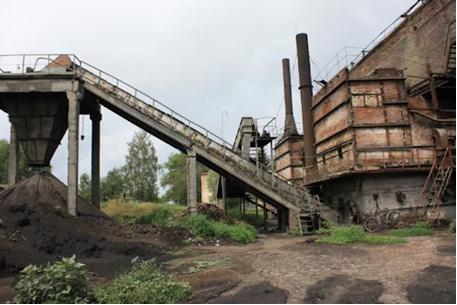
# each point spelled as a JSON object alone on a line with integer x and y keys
{"x": 183, "y": 134}
{"x": 435, "y": 186}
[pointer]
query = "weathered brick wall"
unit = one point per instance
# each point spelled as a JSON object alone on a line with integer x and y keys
{"x": 424, "y": 38}
{"x": 289, "y": 158}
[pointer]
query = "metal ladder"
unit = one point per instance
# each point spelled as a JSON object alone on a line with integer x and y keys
{"x": 435, "y": 186}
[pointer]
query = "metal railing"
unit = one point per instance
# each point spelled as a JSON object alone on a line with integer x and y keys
{"x": 79, "y": 67}
{"x": 345, "y": 59}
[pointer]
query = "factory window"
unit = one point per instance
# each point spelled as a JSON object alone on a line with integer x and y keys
{"x": 340, "y": 152}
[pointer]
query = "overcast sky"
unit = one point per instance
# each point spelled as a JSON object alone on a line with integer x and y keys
{"x": 200, "y": 58}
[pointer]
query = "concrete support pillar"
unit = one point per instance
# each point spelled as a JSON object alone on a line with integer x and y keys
{"x": 73, "y": 151}
{"x": 294, "y": 219}
{"x": 96, "y": 118}
{"x": 13, "y": 160}
{"x": 265, "y": 216}
{"x": 191, "y": 182}
{"x": 256, "y": 210}
{"x": 224, "y": 194}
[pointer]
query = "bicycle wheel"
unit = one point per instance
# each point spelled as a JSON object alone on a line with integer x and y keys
{"x": 372, "y": 224}
{"x": 394, "y": 219}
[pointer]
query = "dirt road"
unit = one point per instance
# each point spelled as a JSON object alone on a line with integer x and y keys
{"x": 279, "y": 269}
{"x": 282, "y": 269}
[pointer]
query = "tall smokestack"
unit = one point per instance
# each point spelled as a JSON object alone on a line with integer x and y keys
{"x": 289, "y": 127}
{"x": 306, "y": 94}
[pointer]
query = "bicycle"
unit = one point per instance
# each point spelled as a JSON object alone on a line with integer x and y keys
{"x": 392, "y": 218}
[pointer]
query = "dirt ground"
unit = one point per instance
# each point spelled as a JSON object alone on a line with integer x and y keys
{"x": 282, "y": 269}
{"x": 276, "y": 269}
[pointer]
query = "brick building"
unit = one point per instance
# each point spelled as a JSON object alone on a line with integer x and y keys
{"x": 381, "y": 123}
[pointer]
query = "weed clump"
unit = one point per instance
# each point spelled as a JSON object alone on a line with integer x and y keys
{"x": 340, "y": 234}
{"x": 144, "y": 284}
{"x": 61, "y": 282}
{"x": 65, "y": 282}
{"x": 421, "y": 228}
{"x": 201, "y": 226}
{"x": 452, "y": 227}
{"x": 161, "y": 217}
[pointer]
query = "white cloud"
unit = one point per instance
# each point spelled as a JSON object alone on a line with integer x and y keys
{"x": 199, "y": 57}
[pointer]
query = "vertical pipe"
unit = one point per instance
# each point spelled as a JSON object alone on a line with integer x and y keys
{"x": 13, "y": 159}
{"x": 96, "y": 118}
{"x": 73, "y": 151}
{"x": 304, "y": 72}
{"x": 290, "y": 127}
{"x": 191, "y": 182}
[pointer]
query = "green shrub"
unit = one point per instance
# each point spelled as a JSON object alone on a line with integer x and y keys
{"x": 61, "y": 282}
{"x": 340, "y": 234}
{"x": 144, "y": 284}
{"x": 326, "y": 226}
{"x": 243, "y": 233}
{"x": 161, "y": 217}
{"x": 222, "y": 229}
{"x": 200, "y": 225}
{"x": 452, "y": 227}
{"x": 422, "y": 225}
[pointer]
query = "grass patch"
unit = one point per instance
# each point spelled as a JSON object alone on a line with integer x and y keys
{"x": 143, "y": 285}
{"x": 348, "y": 234}
{"x": 452, "y": 227}
{"x": 202, "y": 265}
{"x": 411, "y": 232}
{"x": 294, "y": 232}
{"x": 185, "y": 251}
{"x": 158, "y": 214}
{"x": 117, "y": 208}
{"x": 421, "y": 228}
{"x": 201, "y": 226}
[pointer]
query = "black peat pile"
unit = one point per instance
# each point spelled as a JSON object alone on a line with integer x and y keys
{"x": 35, "y": 229}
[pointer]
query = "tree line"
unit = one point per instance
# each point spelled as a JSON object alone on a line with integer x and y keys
{"x": 25, "y": 171}
{"x": 137, "y": 179}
